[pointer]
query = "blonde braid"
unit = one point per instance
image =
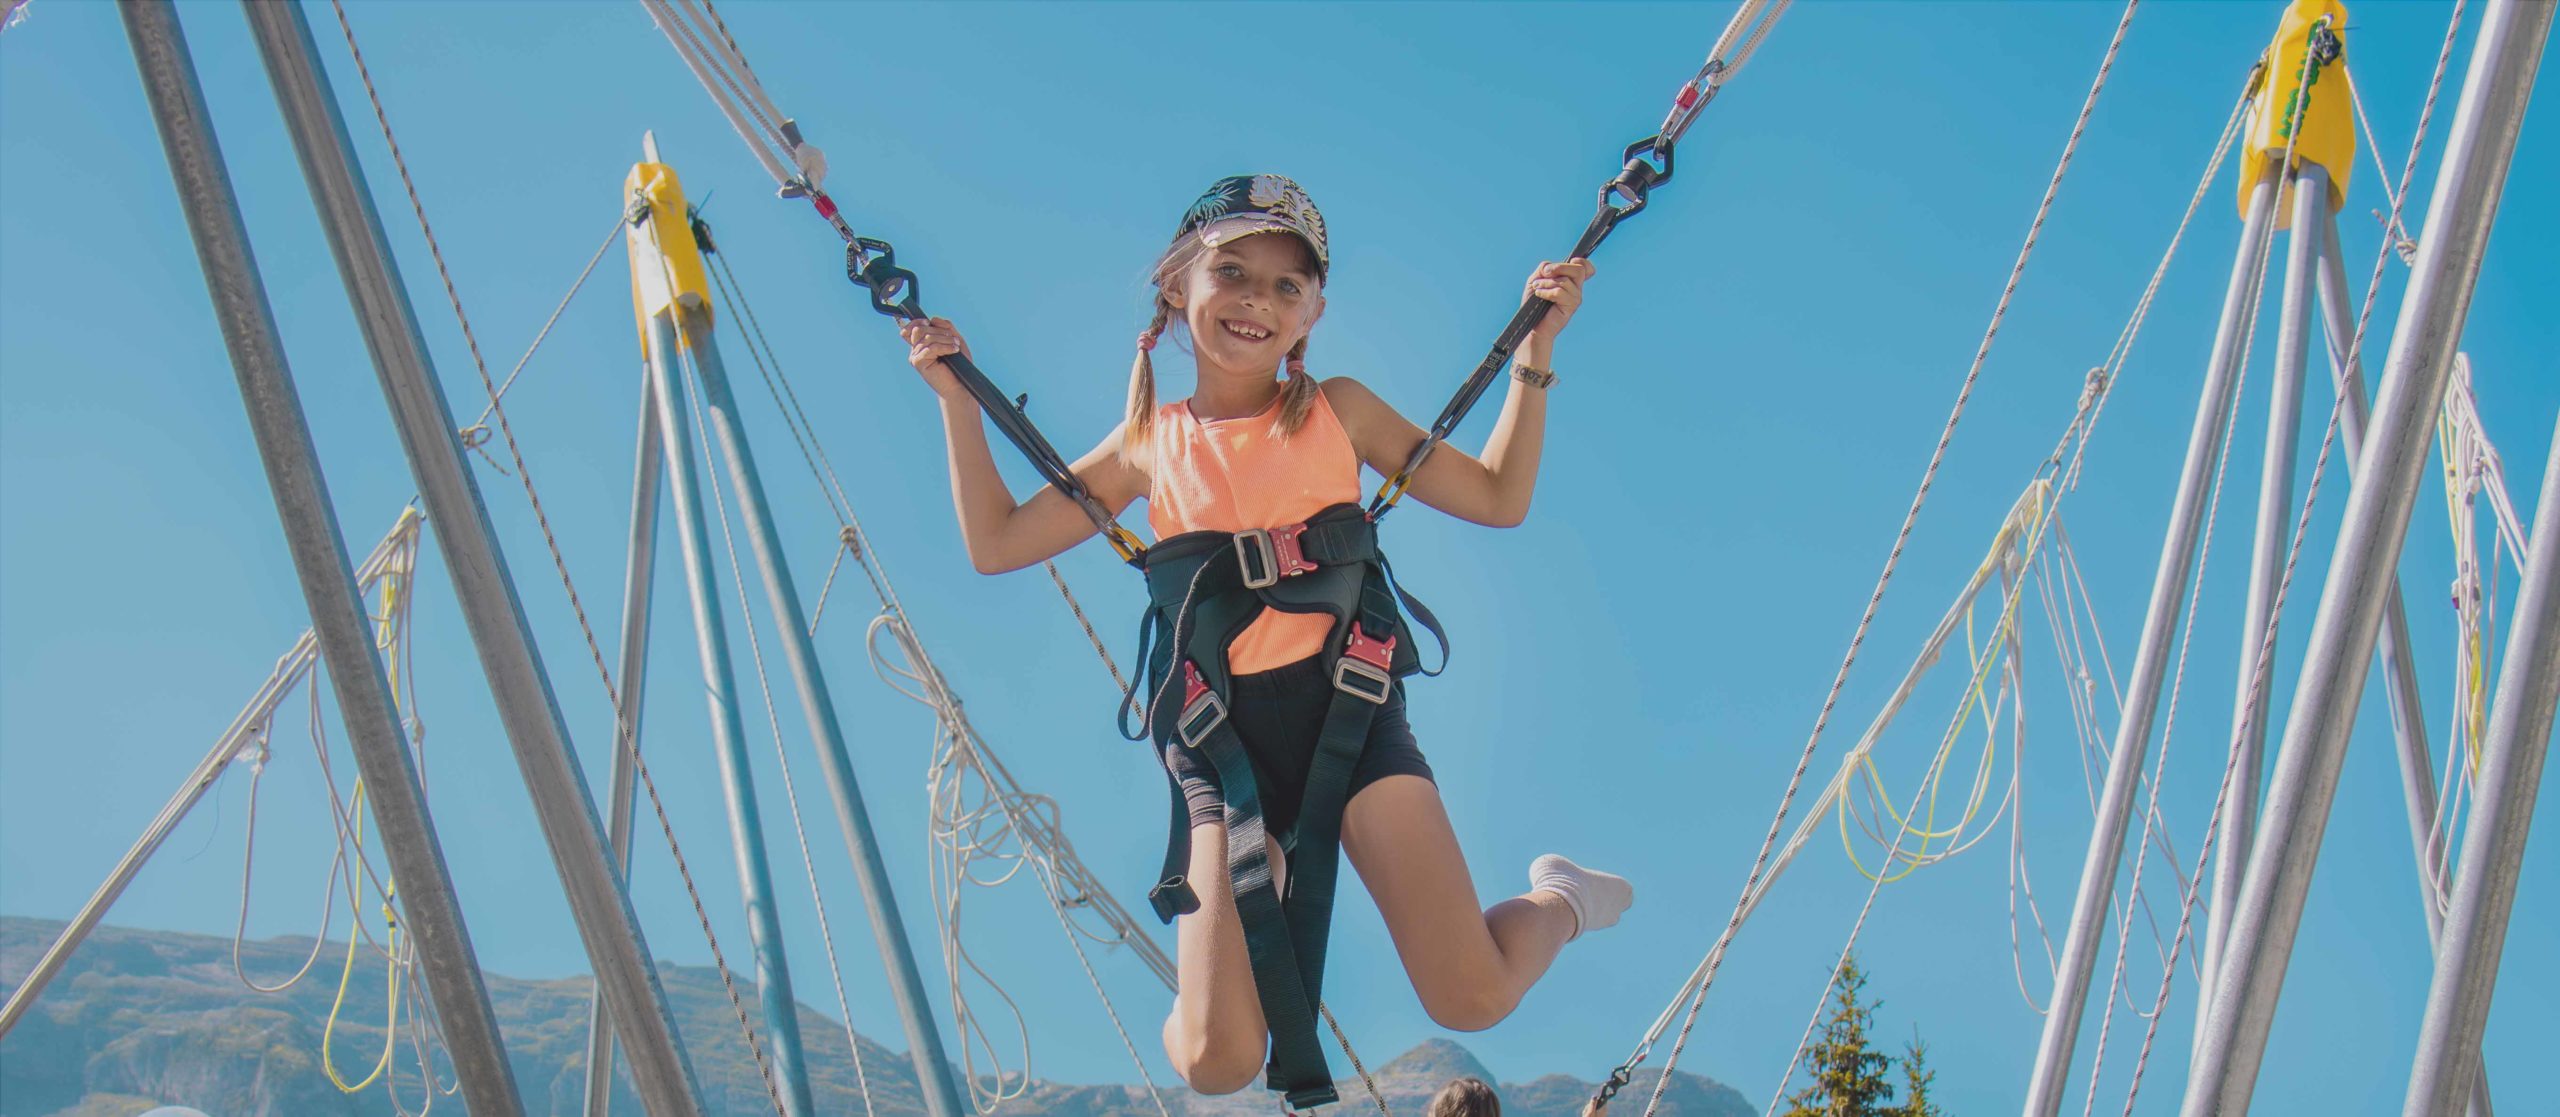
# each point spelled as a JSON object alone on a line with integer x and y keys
{"x": 1298, "y": 396}
{"x": 1142, "y": 383}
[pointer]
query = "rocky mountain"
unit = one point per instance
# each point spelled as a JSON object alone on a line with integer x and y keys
{"x": 144, "y": 1018}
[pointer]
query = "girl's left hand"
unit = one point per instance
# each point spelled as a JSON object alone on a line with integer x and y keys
{"x": 1560, "y": 284}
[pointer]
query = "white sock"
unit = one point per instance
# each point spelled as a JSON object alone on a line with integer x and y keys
{"x": 1597, "y": 898}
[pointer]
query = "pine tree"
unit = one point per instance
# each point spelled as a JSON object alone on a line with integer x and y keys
{"x": 1848, "y": 1077}
{"x": 1916, "y": 1078}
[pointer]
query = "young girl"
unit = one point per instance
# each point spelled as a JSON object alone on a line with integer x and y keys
{"x": 1251, "y": 449}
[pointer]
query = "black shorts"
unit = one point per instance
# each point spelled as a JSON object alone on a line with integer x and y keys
{"x": 1278, "y": 714}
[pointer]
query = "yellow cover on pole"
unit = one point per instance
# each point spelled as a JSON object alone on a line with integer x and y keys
{"x": 2313, "y": 113}
{"x": 666, "y": 266}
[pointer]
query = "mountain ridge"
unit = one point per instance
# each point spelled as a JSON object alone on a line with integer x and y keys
{"x": 145, "y": 1018}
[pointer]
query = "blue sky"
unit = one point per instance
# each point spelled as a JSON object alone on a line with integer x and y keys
{"x": 1745, "y": 405}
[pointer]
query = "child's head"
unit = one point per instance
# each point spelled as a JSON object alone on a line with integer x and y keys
{"x": 1465, "y": 1097}
{"x": 1246, "y": 300}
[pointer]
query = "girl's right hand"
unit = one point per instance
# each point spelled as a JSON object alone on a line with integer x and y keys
{"x": 929, "y": 340}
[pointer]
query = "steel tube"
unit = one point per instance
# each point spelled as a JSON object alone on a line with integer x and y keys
{"x": 906, "y": 985}
{"x": 468, "y": 543}
{"x": 2273, "y": 530}
{"x": 2151, "y": 664}
{"x": 2344, "y": 631}
{"x": 639, "y": 573}
{"x": 2399, "y": 666}
{"x": 2484, "y": 887}
{"x": 728, "y": 732}
{"x": 340, "y": 623}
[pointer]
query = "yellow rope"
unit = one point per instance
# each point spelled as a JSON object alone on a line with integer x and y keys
{"x": 1920, "y": 818}
{"x": 2472, "y": 666}
{"x": 346, "y": 977}
{"x": 387, "y": 639}
{"x": 1925, "y": 827}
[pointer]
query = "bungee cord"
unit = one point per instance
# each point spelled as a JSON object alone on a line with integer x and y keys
{"x": 1693, "y": 991}
{"x": 979, "y": 813}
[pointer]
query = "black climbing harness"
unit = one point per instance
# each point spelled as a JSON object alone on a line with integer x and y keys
{"x": 1203, "y": 589}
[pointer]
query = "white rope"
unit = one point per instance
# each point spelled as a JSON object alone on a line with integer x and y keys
{"x": 781, "y": 755}
{"x": 2178, "y": 679}
{"x": 1694, "y": 990}
{"x": 2472, "y": 471}
{"x": 702, "y": 39}
{"x": 984, "y": 827}
{"x": 389, "y": 572}
{"x": 624, "y": 744}
{"x": 2351, "y": 359}
{"x": 2392, "y": 230}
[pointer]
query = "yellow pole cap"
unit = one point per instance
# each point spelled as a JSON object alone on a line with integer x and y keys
{"x": 2302, "y": 107}
{"x": 666, "y": 266}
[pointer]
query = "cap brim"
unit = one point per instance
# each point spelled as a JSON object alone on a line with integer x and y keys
{"x": 1228, "y": 230}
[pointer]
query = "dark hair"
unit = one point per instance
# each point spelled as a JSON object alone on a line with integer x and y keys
{"x": 1465, "y": 1097}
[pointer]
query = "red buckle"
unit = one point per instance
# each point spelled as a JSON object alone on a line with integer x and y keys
{"x": 1202, "y": 713}
{"x": 1378, "y": 653}
{"x": 1266, "y": 555}
{"x": 1286, "y": 553}
{"x": 1365, "y": 670}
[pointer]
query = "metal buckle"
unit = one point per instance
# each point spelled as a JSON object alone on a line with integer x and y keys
{"x": 1257, "y": 558}
{"x": 1362, "y": 671}
{"x": 1202, "y": 712}
{"x": 1266, "y": 555}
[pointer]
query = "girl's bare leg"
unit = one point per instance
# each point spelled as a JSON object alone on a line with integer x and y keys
{"x": 1470, "y": 967}
{"x": 1215, "y": 1036}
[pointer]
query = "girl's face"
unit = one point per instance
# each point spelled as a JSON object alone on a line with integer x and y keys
{"x": 1247, "y": 302}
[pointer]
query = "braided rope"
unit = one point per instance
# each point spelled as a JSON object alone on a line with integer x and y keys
{"x": 624, "y": 743}
{"x": 1705, "y": 976}
{"x": 2266, "y": 647}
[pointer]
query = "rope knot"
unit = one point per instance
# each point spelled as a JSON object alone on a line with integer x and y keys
{"x": 851, "y": 537}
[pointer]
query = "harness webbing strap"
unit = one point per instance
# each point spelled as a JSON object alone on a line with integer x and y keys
{"x": 1206, "y": 587}
{"x": 1287, "y": 989}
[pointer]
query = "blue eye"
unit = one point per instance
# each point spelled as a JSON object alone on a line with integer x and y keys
{"x": 1289, "y": 286}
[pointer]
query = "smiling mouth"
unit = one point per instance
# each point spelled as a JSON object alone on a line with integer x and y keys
{"x": 1246, "y": 331}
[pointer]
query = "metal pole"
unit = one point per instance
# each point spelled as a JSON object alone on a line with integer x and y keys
{"x": 2151, "y": 664}
{"x": 2343, "y": 633}
{"x": 638, "y": 573}
{"x": 2484, "y": 888}
{"x": 2399, "y": 667}
{"x": 728, "y": 733}
{"x": 245, "y": 729}
{"x": 495, "y": 617}
{"x": 2267, "y": 550}
{"x": 924, "y": 1042}
{"x": 339, "y": 621}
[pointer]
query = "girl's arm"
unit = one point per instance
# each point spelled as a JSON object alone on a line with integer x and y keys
{"x": 1002, "y": 534}
{"x": 1493, "y": 489}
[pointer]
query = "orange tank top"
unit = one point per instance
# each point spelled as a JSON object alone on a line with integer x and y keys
{"x": 1233, "y": 475}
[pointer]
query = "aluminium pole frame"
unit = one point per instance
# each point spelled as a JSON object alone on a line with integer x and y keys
{"x": 2473, "y": 172}
{"x": 2151, "y": 664}
{"x": 2484, "y": 888}
{"x": 2399, "y": 663}
{"x": 800, "y": 652}
{"x": 340, "y": 624}
{"x": 491, "y": 608}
